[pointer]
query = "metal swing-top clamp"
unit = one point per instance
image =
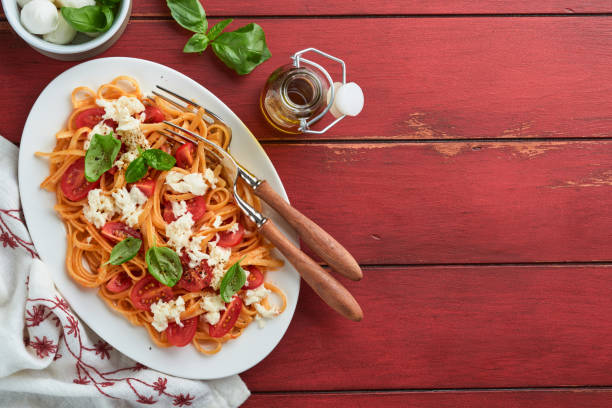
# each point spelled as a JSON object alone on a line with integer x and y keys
{"x": 343, "y": 99}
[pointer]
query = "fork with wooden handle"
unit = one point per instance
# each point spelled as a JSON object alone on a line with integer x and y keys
{"x": 325, "y": 285}
{"x": 317, "y": 239}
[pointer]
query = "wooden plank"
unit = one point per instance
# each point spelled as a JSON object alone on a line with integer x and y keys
{"x": 441, "y": 78}
{"x": 575, "y": 398}
{"x": 456, "y": 202}
{"x": 363, "y": 7}
{"x": 451, "y": 327}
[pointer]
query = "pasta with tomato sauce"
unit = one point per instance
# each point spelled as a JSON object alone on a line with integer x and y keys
{"x": 189, "y": 229}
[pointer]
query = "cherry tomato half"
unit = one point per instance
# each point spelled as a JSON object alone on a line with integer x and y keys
{"x": 196, "y": 206}
{"x": 153, "y": 114}
{"x": 255, "y": 278}
{"x": 147, "y": 291}
{"x": 73, "y": 184}
{"x": 119, "y": 282}
{"x": 192, "y": 280}
{"x": 228, "y": 320}
{"x": 184, "y": 155}
{"x": 118, "y": 231}
{"x": 181, "y": 336}
{"x": 147, "y": 186}
{"x": 89, "y": 117}
{"x": 228, "y": 239}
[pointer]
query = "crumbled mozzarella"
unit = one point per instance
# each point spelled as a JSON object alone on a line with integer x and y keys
{"x": 217, "y": 222}
{"x": 129, "y": 204}
{"x": 209, "y": 176}
{"x": 100, "y": 208}
{"x": 166, "y": 311}
{"x": 213, "y": 304}
{"x": 88, "y": 239}
{"x": 121, "y": 111}
{"x": 179, "y": 232}
{"x": 256, "y": 295}
{"x": 179, "y": 208}
{"x": 194, "y": 251}
{"x": 263, "y": 313}
{"x": 126, "y": 158}
{"x": 187, "y": 183}
{"x": 218, "y": 257}
{"x": 234, "y": 228}
{"x": 99, "y": 129}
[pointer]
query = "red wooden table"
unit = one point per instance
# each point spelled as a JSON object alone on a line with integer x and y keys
{"x": 475, "y": 190}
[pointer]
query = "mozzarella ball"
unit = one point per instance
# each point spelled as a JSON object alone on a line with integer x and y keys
{"x": 63, "y": 34}
{"x": 75, "y": 3}
{"x": 22, "y": 3}
{"x": 39, "y": 16}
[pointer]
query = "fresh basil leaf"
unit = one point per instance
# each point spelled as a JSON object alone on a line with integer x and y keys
{"x": 214, "y": 32}
{"x": 124, "y": 251}
{"x": 136, "y": 170}
{"x": 197, "y": 43}
{"x": 242, "y": 50}
{"x": 89, "y": 18}
{"x": 232, "y": 281}
{"x": 158, "y": 159}
{"x": 189, "y": 14}
{"x": 101, "y": 155}
{"x": 164, "y": 264}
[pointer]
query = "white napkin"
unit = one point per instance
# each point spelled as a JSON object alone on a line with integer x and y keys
{"x": 49, "y": 358}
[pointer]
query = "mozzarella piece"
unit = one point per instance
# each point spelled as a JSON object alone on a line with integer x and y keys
{"x": 256, "y": 295}
{"x": 209, "y": 176}
{"x": 39, "y": 17}
{"x": 234, "y": 228}
{"x": 186, "y": 183}
{"x": 75, "y": 3}
{"x": 166, "y": 311}
{"x": 263, "y": 313}
{"x": 213, "y": 304}
{"x": 179, "y": 208}
{"x": 100, "y": 129}
{"x": 129, "y": 204}
{"x": 179, "y": 232}
{"x": 218, "y": 257}
{"x": 194, "y": 251}
{"x": 63, "y": 34}
{"x": 100, "y": 208}
{"x": 217, "y": 222}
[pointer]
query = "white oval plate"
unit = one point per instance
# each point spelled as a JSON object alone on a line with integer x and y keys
{"x": 48, "y": 115}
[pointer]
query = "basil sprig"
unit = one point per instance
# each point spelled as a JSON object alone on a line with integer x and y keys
{"x": 91, "y": 19}
{"x": 232, "y": 281}
{"x": 101, "y": 155}
{"x": 156, "y": 158}
{"x": 164, "y": 264}
{"x": 124, "y": 251}
{"x": 242, "y": 50}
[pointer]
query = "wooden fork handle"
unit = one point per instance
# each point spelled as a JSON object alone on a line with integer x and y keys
{"x": 323, "y": 244}
{"x": 328, "y": 288}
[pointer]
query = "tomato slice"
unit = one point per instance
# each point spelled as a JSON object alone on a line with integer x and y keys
{"x": 184, "y": 155}
{"x": 192, "y": 280}
{"x": 196, "y": 206}
{"x": 89, "y": 117}
{"x": 73, "y": 184}
{"x": 119, "y": 282}
{"x": 255, "y": 278}
{"x": 111, "y": 124}
{"x": 147, "y": 186}
{"x": 118, "y": 231}
{"x": 148, "y": 290}
{"x": 228, "y": 239}
{"x": 153, "y": 114}
{"x": 228, "y": 320}
{"x": 181, "y": 336}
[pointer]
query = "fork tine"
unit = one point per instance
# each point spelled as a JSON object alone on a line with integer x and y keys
{"x": 170, "y": 101}
{"x": 187, "y": 101}
{"x": 207, "y": 142}
{"x": 171, "y": 137}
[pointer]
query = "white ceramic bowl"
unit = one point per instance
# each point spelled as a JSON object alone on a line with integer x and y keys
{"x": 90, "y": 47}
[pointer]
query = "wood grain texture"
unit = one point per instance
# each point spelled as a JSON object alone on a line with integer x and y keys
{"x": 431, "y": 203}
{"x": 319, "y": 241}
{"x": 576, "y": 398}
{"x": 363, "y": 7}
{"x": 426, "y": 78}
{"x": 451, "y": 327}
{"x": 324, "y": 285}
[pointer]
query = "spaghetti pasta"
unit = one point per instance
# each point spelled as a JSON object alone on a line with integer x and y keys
{"x": 89, "y": 246}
